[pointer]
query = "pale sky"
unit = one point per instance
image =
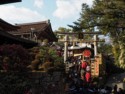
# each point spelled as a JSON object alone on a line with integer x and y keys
{"x": 59, "y": 12}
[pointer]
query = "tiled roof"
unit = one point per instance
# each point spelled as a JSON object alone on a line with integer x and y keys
{"x": 7, "y": 26}
{"x": 37, "y": 26}
{"x": 43, "y": 29}
{"x": 6, "y": 38}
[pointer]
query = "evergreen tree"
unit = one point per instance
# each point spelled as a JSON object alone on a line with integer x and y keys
{"x": 107, "y": 16}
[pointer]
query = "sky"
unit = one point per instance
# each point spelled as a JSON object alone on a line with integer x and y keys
{"x": 60, "y": 12}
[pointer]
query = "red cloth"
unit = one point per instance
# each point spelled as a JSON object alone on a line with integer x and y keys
{"x": 88, "y": 76}
{"x": 84, "y": 65}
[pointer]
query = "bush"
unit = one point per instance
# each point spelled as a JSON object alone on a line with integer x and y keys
{"x": 45, "y": 58}
{"x": 34, "y": 64}
{"x": 14, "y": 83}
{"x": 47, "y": 65}
{"x": 18, "y": 56}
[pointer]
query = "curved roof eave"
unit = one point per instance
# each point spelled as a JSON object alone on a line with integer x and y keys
{"x": 7, "y": 26}
{"x": 9, "y": 1}
{"x": 17, "y": 40}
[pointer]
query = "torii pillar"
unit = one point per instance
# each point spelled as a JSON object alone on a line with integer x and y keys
{"x": 95, "y": 45}
{"x": 66, "y": 48}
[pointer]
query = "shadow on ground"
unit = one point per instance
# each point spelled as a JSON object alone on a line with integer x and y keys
{"x": 116, "y": 79}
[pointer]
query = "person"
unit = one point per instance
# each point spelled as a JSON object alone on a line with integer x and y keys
{"x": 88, "y": 68}
{"x": 28, "y": 91}
{"x": 120, "y": 91}
{"x": 88, "y": 77}
{"x": 83, "y": 69}
{"x": 115, "y": 89}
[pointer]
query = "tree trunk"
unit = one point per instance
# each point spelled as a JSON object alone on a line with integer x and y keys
{"x": 122, "y": 55}
{"x": 115, "y": 50}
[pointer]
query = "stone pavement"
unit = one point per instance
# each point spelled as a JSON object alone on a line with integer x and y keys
{"x": 116, "y": 79}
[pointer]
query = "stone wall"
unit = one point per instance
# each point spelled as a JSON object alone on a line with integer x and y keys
{"x": 44, "y": 83}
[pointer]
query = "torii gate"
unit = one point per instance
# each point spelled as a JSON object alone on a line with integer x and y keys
{"x": 69, "y": 33}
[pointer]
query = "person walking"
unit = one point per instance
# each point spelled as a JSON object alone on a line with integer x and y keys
{"x": 88, "y": 77}
{"x": 83, "y": 69}
{"x": 115, "y": 89}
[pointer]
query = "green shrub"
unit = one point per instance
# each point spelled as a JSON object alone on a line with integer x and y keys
{"x": 15, "y": 55}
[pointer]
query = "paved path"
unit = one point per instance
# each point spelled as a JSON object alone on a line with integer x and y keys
{"x": 116, "y": 79}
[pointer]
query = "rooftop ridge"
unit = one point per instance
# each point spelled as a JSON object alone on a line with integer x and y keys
{"x": 32, "y": 23}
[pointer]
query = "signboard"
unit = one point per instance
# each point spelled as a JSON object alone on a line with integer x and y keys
{"x": 97, "y": 67}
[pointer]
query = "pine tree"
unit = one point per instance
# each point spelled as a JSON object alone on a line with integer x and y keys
{"x": 107, "y": 16}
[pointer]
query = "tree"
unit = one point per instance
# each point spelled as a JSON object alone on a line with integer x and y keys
{"x": 107, "y": 16}
{"x": 85, "y": 22}
{"x": 61, "y": 29}
{"x": 110, "y": 19}
{"x": 107, "y": 50}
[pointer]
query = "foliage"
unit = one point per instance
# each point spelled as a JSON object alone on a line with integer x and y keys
{"x": 33, "y": 51}
{"x": 45, "y": 58}
{"x": 50, "y": 54}
{"x": 47, "y": 65}
{"x": 35, "y": 59}
{"x": 34, "y": 64}
{"x": 83, "y": 21}
{"x": 105, "y": 48}
{"x": 45, "y": 41}
{"x": 62, "y": 29}
{"x": 15, "y": 56}
{"x": 111, "y": 68}
{"x": 14, "y": 83}
{"x": 107, "y": 17}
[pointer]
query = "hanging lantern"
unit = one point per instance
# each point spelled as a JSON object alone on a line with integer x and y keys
{"x": 87, "y": 53}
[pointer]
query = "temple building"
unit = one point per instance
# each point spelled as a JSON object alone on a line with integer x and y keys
{"x": 27, "y": 34}
{"x": 35, "y": 31}
{"x": 7, "y": 38}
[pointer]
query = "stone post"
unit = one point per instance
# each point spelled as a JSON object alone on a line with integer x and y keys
{"x": 66, "y": 48}
{"x": 95, "y": 45}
